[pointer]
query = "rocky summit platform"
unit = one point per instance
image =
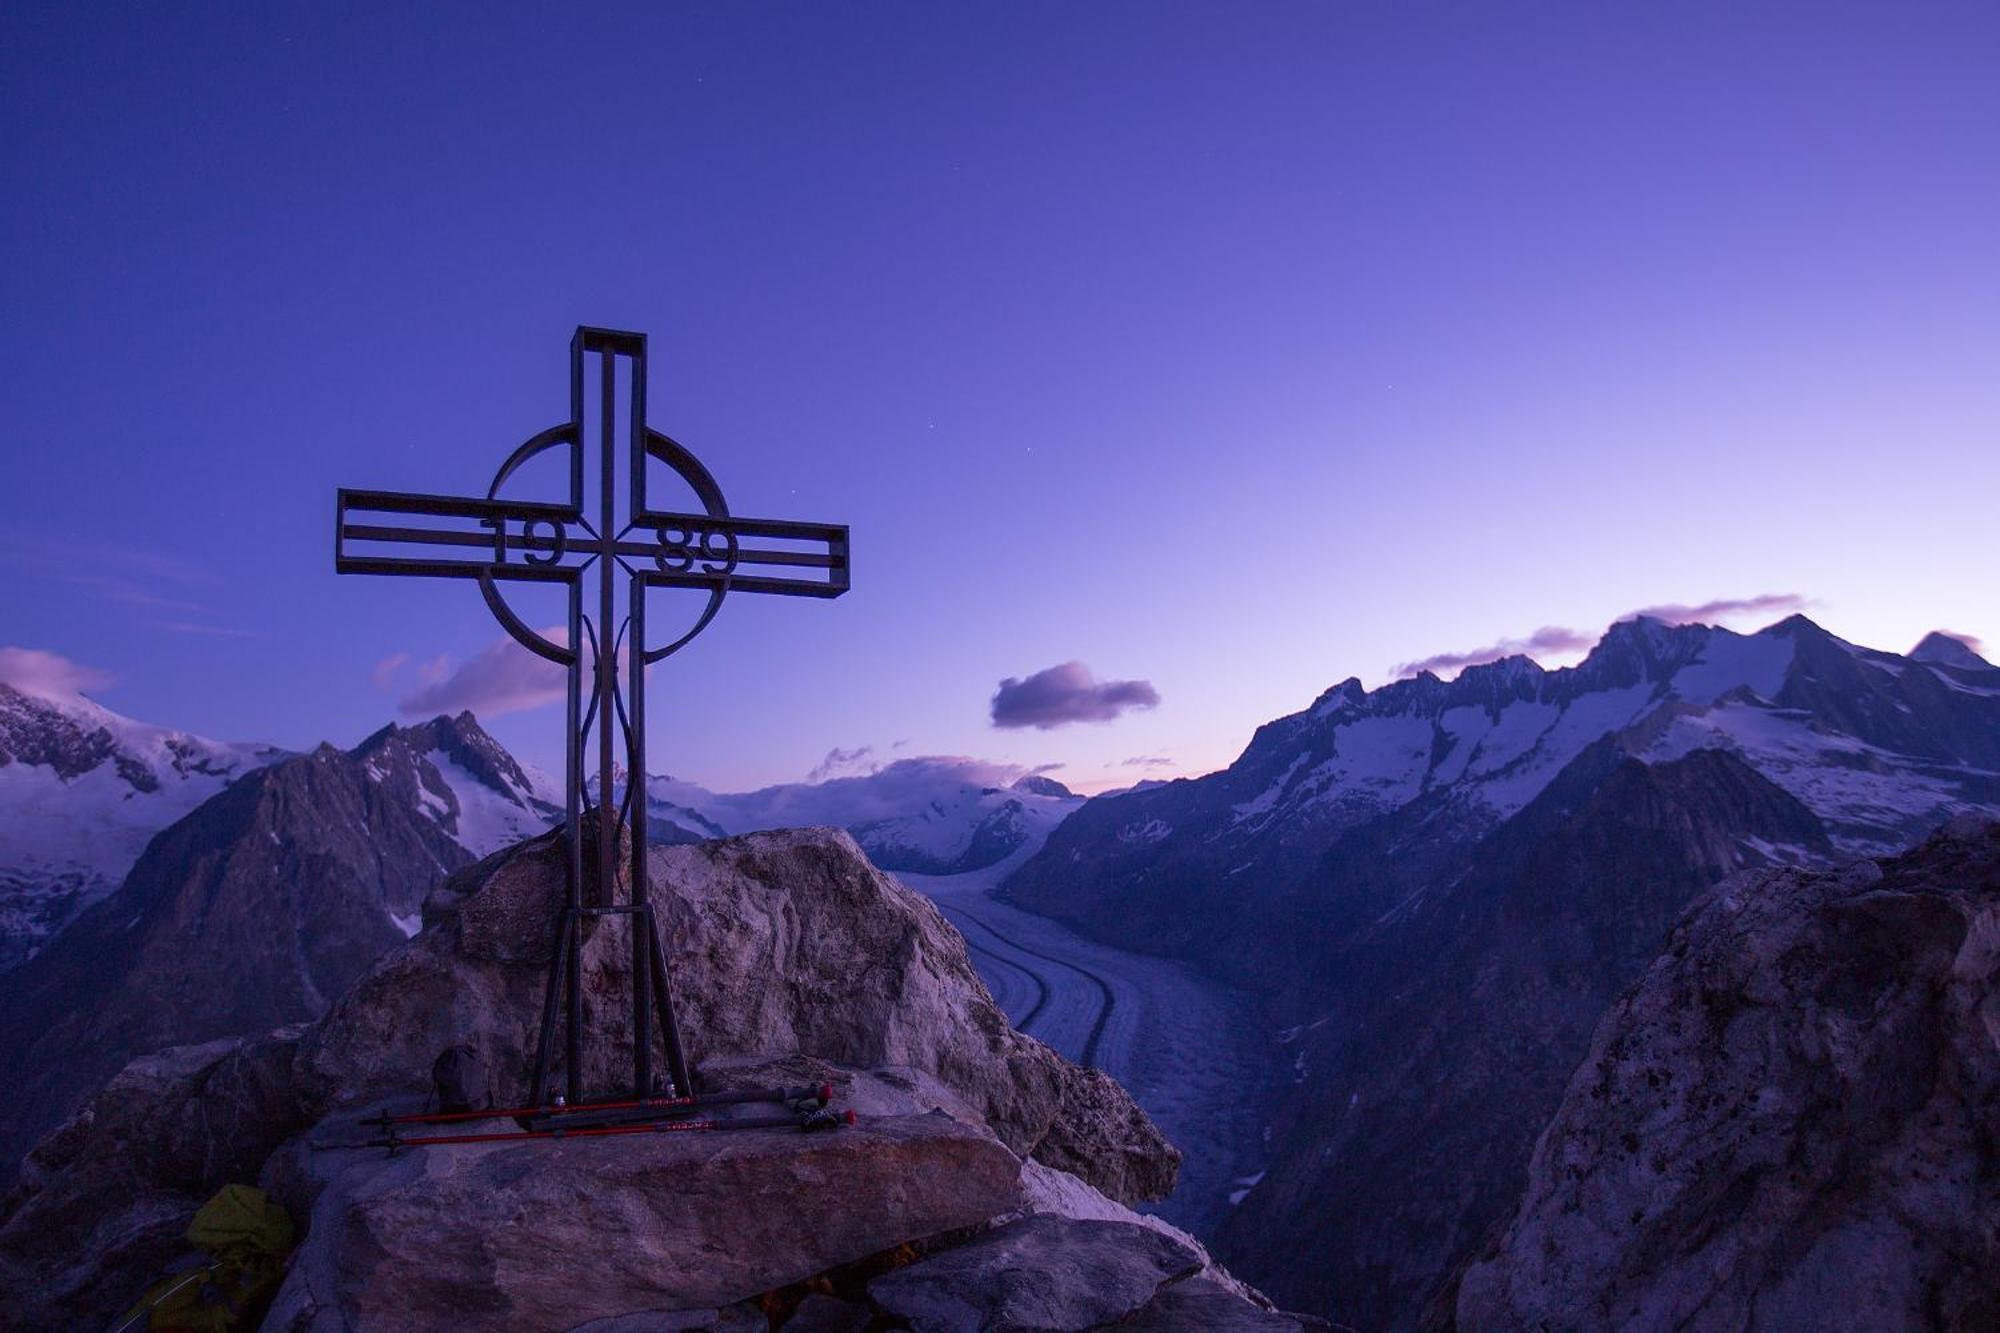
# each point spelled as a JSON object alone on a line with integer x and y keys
{"x": 985, "y": 1184}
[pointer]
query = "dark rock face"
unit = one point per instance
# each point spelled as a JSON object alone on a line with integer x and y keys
{"x": 102, "y": 1202}
{"x": 1419, "y": 1111}
{"x": 254, "y": 911}
{"x": 1948, "y": 650}
{"x": 31, "y": 732}
{"x": 1788, "y": 1123}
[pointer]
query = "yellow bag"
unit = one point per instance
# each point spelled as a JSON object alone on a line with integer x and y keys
{"x": 247, "y": 1238}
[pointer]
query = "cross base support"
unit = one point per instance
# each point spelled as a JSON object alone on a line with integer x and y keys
{"x": 562, "y": 1002}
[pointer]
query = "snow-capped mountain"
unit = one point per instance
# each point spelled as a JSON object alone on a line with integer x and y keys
{"x": 1879, "y": 746}
{"x": 257, "y": 907}
{"x": 82, "y": 789}
{"x": 930, "y": 816}
{"x": 466, "y": 782}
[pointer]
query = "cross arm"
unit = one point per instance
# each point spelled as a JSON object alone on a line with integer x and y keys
{"x": 381, "y": 532}
{"x": 720, "y": 553}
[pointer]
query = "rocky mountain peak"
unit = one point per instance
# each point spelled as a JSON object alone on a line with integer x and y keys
{"x": 37, "y": 730}
{"x": 1946, "y": 649}
{"x": 1642, "y": 650}
{"x": 1797, "y": 623}
{"x": 1493, "y": 685}
{"x": 461, "y": 741}
{"x": 1038, "y": 784}
{"x": 1347, "y": 694}
{"x": 1803, "y": 628}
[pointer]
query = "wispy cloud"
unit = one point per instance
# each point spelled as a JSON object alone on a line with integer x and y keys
{"x": 122, "y": 576}
{"x": 1551, "y": 639}
{"x": 1146, "y": 761}
{"x": 1557, "y": 640}
{"x": 383, "y": 677}
{"x": 502, "y": 677}
{"x": 1722, "y": 608}
{"x": 34, "y": 671}
{"x": 1064, "y": 694}
{"x": 841, "y": 763}
{"x": 206, "y": 631}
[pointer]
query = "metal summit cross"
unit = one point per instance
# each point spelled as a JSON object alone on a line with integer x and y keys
{"x": 497, "y": 540}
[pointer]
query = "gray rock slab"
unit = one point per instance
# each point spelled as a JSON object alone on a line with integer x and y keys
{"x": 552, "y": 1235}
{"x": 1203, "y": 1305}
{"x": 1040, "y": 1273}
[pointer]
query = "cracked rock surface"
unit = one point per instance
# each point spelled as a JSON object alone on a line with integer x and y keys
{"x": 1792, "y": 1121}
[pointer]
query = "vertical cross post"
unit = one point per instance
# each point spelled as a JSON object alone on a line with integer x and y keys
{"x": 537, "y": 541}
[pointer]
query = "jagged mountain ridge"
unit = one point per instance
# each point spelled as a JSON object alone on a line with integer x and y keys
{"x": 82, "y": 788}
{"x": 255, "y": 908}
{"x": 464, "y": 780}
{"x": 1879, "y": 746}
{"x": 926, "y": 816}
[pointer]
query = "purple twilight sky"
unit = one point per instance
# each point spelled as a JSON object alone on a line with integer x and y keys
{"x": 1221, "y": 351}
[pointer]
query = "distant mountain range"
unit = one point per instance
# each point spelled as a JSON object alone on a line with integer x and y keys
{"x": 161, "y": 889}
{"x": 1439, "y": 886}
{"x": 83, "y": 789}
{"x": 927, "y": 816}
{"x": 1880, "y": 747}
{"x": 253, "y": 910}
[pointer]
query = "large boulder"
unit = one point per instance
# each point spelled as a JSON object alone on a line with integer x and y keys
{"x": 467, "y": 1237}
{"x": 779, "y": 943}
{"x": 1790, "y": 1122}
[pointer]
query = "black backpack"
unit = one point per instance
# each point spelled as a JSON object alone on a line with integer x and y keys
{"x": 458, "y": 1078}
